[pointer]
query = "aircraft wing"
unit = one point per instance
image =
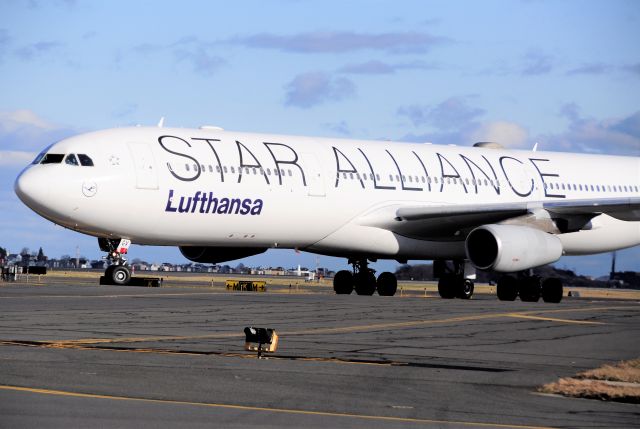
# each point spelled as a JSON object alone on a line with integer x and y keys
{"x": 453, "y": 222}
{"x": 620, "y": 208}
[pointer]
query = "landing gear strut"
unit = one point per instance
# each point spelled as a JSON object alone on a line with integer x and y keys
{"x": 456, "y": 280}
{"x": 117, "y": 272}
{"x": 530, "y": 288}
{"x": 363, "y": 280}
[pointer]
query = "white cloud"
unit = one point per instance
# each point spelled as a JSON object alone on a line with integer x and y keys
{"x": 309, "y": 89}
{"x": 616, "y": 136}
{"x": 508, "y": 134}
{"x": 452, "y": 113}
{"x": 24, "y": 130}
{"x": 16, "y": 157}
{"x": 343, "y": 41}
{"x": 13, "y": 120}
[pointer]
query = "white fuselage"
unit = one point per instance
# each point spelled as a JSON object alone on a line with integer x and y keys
{"x": 207, "y": 187}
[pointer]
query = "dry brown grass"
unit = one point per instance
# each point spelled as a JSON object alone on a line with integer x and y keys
{"x": 628, "y": 372}
{"x": 619, "y": 382}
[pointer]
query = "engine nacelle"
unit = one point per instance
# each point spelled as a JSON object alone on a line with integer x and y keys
{"x": 511, "y": 248}
{"x": 214, "y": 255}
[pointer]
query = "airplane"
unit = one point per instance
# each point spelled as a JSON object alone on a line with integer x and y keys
{"x": 221, "y": 195}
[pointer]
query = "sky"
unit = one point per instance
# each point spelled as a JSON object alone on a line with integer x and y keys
{"x": 563, "y": 74}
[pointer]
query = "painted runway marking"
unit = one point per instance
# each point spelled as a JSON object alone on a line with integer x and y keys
{"x": 553, "y": 319}
{"x": 533, "y": 315}
{"x": 267, "y": 409}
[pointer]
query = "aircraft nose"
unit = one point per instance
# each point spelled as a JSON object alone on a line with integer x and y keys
{"x": 32, "y": 189}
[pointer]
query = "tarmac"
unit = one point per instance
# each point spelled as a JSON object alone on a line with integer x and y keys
{"x": 82, "y": 355}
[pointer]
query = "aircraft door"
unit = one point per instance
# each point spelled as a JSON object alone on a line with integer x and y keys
{"x": 145, "y": 166}
{"x": 313, "y": 174}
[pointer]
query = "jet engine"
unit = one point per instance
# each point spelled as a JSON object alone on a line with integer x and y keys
{"x": 214, "y": 255}
{"x": 511, "y": 248}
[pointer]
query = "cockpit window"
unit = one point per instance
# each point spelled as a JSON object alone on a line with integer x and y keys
{"x": 85, "y": 160}
{"x": 41, "y": 155}
{"x": 71, "y": 160}
{"x": 52, "y": 158}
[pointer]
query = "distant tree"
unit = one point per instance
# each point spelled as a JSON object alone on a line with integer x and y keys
{"x": 415, "y": 272}
{"x": 24, "y": 251}
{"x": 41, "y": 257}
{"x": 3, "y": 252}
{"x": 240, "y": 268}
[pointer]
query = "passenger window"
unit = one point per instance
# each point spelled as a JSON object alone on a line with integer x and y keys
{"x": 52, "y": 158}
{"x": 85, "y": 161}
{"x": 71, "y": 160}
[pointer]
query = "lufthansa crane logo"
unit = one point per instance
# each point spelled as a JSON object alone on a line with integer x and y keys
{"x": 89, "y": 189}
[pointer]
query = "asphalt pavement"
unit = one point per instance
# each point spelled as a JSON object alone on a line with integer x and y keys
{"x": 130, "y": 357}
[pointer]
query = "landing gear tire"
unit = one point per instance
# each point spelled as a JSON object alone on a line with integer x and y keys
{"x": 108, "y": 273}
{"x": 465, "y": 289}
{"x": 447, "y": 286}
{"x": 120, "y": 275}
{"x": 365, "y": 282}
{"x": 530, "y": 289}
{"x": 552, "y": 290}
{"x": 387, "y": 284}
{"x": 343, "y": 282}
{"x": 507, "y": 288}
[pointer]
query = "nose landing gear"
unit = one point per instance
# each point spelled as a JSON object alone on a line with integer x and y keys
{"x": 118, "y": 271}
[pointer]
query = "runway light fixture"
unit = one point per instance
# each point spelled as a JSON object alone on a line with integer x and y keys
{"x": 260, "y": 340}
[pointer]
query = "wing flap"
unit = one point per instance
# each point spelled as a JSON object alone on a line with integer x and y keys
{"x": 627, "y": 209}
{"x": 453, "y": 222}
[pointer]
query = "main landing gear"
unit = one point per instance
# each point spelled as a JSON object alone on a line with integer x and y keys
{"x": 118, "y": 272}
{"x": 530, "y": 288}
{"x": 456, "y": 279}
{"x": 363, "y": 280}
